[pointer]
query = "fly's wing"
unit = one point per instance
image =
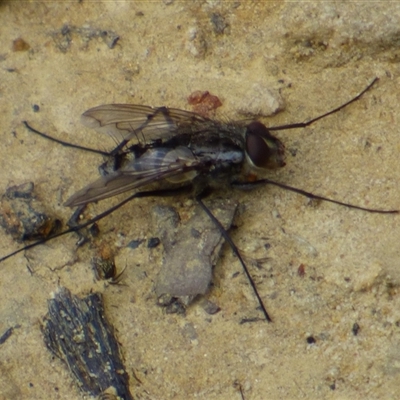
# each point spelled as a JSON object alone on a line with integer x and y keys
{"x": 176, "y": 165}
{"x": 143, "y": 124}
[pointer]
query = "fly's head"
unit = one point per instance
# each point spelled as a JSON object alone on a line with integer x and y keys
{"x": 262, "y": 149}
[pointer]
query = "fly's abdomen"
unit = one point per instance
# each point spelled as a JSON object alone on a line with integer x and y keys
{"x": 163, "y": 159}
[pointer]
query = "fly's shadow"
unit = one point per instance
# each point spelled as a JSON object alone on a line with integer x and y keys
{"x": 181, "y": 152}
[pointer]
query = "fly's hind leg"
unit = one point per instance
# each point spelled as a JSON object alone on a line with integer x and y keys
{"x": 74, "y": 223}
{"x": 63, "y": 143}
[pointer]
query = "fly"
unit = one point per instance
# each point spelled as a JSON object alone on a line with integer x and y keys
{"x": 175, "y": 146}
{"x": 168, "y": 151}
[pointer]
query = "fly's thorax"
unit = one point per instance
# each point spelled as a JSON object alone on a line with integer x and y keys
{"x": 220, "y": 152}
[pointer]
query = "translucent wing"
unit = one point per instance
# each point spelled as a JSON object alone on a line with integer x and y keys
{"x": 143, "y": 124}
{"x": 176, "y": 165}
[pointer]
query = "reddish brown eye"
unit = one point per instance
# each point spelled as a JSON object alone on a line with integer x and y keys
{"x": 257, "y": 150}
{"x": 262, "y": 149}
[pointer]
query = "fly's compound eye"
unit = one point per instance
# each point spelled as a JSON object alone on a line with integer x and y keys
{"x": 262, "y": 149}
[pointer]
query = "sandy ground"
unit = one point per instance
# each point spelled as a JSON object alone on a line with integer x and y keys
{"x": 312, "y": 57}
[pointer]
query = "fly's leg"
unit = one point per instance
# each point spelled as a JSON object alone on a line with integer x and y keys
{"x": 74, "y": 222}
{"x": 65, "y": 144}
{"x": 235, "y": 250}
{"x": 311, "y": 121}
{"x": 251, "y": 185}
{"x": 77, "y": 228}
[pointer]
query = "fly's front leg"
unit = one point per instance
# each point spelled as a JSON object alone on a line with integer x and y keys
{"x": 254, "y": 184}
